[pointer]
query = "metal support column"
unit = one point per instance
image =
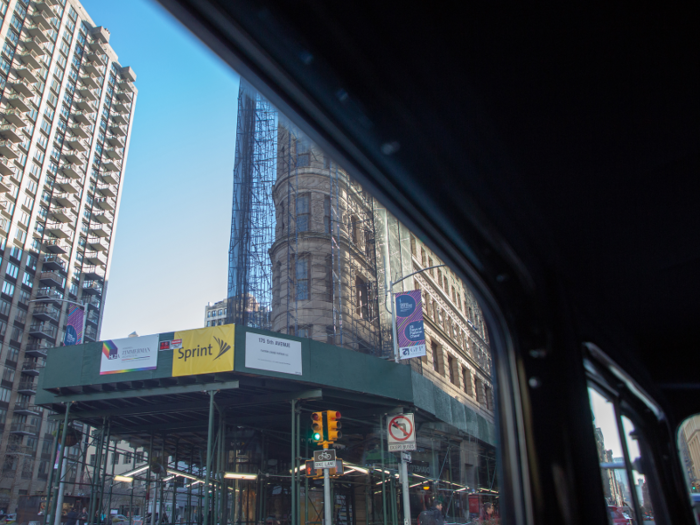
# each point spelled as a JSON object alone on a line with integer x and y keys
{"x": 208, "y": 472}
{"x": 293, "y": 465}
{"x": 381, "y": 448}
{"x": 61, "y": 453}
{"x": 176, "y": 467}
{"x": 49, "y": 487}
{"x": 104, "y": 469}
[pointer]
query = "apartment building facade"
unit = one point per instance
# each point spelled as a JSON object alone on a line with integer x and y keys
{"x": 67, "y": 108}
{"x": 215, "y": 313}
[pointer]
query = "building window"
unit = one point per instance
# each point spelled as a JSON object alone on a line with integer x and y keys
{"x": 413, "y": 245}
{"x": 362, "y": 297}
{"x": 436, "y": 356}
{"x": 478, "y": 386}
{"x": 303, "y": 213}
{"x": 422, "y": 257}
{"x": 488, "y": 397}
{"x": 327, "y": 214}
{"x": 451, "y": 369}
{"x": 303, "y": 154}
{"x": 329, "y": 278}
{"x": 301, "y": 278}
{"x": 467, "y": 380}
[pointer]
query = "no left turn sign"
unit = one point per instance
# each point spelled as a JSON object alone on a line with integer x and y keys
{"x": 401, "y": 432}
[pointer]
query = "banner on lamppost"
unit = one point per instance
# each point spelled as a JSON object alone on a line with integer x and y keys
{"x": 74, "y": 326}
{"x": 409, "y": 324}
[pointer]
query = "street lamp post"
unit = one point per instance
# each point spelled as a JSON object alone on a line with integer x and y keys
{"x": 404, "y": 463}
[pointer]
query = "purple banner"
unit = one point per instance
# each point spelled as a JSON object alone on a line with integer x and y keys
{"x": 74, "y": 326}
{"x": 409, "y": 324}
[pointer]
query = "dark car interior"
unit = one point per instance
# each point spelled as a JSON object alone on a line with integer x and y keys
{"x": 552, "y": 157}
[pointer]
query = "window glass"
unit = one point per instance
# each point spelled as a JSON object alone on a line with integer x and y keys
{"x": 689, "y": 446}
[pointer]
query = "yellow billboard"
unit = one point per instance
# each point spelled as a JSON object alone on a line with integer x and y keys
{"x": 204, "y": 351}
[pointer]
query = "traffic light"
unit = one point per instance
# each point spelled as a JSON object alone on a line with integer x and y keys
{"x": 333, "y": 426}
{"x": 317, "y": 427}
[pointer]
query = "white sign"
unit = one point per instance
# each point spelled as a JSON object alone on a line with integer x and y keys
{"x": 401, "y": 432}
{"x": 272, "y": 353}
{"x": 129, "y": 355}
{"x": 324, "y": 459}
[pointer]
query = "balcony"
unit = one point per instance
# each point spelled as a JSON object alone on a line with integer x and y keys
{"x": 85, "y": 117}
{"x": 65, "y": 200}
{"x": 42, "y": 19}
{"x": 44, "y": 7}
{"x": 111, "y": 177}
{"x": 118, "y": 119}
{"x": 128, "y": 74}
{"x": 36, "y": 349}
{"x": 29, "y": 59}
{"x": 91, "y": 70}
{"x": 96, "y": 258}
{"x": 93, "y": 302}
{"x": 98, "y": 47}
{"x": 66, "y": 185}
{"x": 100, "y": 34}
{"x": 94, "y": 58}
{"x": 92, "y": 288}
{"x": 49, "y": 295}
{"x": 89, "y": 81}
{"x": 114, "y": 153}
{"x": 27, "y": 387}
{"x": 56, "y": 246}
{"x": 106, "y": 203}
{"x": 125, "y": 97}
{"x": 77, "y": 144}
{"x": 33, "y": 47}
{"x": 115, "y": 141}
{"x": 118, "y": 130}
{"x": 112, "y": 165}
{"x": 11, "y": 132}
{"x": 99, "y": 231}
{"x": 78, "y": 131}
{"x": 26, "y": 74}
{"x": 105, "y": 217}
{"x": 106, "y": 191}
{"x": 72, "y": 171}
{"x": 53, "y": 262}
{"x": 51, "y": 278}
{"x": 97, "y": 244}
{"x": 60, "y": 230}
{"x": 87, "y": 106}
{"x": 14, "y": 116}
{"x": 90, "y": 333}
{"x": 18, "y": 101}
{"x": 66, "y": 215}
{"x": 30, "y": 368}
{"x": 7, "y": 168}
{"x": 87, "y": 94}
{"x": 43, "y": 330}
{"x": 94, "y": 318}
{"x": 24, "y": 429}
{"x": 120, "y": 108}
{"x": 126, "y": 87}
{"x": 46, "y": 312}
{"x": 38, "y": 34}
{"x": 9, "y": 149}
{"x": 93, "y": 273}
{"x": 24, "y": 408}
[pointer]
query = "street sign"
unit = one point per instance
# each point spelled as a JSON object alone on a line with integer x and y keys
{"x": 406, "y": 456}
{"x": 401, "y": 433}
{"x": 324, "y": 458}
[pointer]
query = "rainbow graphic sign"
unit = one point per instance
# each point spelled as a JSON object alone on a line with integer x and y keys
{"x": 129, "y": 355}
{"x": 409, "y": 324}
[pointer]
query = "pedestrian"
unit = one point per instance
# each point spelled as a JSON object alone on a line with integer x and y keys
{"x": 433, "y": 515}
{"x": 83, "y": 517}
{"x": 72, "y": 517}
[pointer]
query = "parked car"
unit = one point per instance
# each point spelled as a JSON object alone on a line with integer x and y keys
{"x": 8, "y": 519}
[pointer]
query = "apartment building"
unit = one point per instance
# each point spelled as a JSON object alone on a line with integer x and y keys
{"x": 215, "y": 313}
{"x": 67, "y": 107}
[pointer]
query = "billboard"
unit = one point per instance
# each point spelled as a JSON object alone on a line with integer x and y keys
{"x": 204, "y": 351}
{"x": 129, "y": 355}
{"x": 409, "y": 324}
{"x": 74, "y": 326}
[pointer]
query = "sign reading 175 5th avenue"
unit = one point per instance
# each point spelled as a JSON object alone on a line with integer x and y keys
{"x": 275, "y": 354}
{"x": 203, "y": 351}
{"x": 409, "y": 324}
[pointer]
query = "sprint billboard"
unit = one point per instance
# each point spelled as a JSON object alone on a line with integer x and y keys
{"x": 203, "y": 351}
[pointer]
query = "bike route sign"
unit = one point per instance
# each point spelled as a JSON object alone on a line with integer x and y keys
{"x": 401, "y": 433}
{"x": 324, "y": 458}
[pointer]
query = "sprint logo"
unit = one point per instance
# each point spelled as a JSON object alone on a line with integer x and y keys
{"x": 223, "y": 347}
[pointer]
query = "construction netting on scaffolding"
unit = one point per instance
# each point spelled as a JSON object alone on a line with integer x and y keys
{"x": 304, "y": 257}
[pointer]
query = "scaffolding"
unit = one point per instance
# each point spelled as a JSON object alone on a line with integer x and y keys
{"x": 253, "y": 219}
{"x": 302, "y": 257}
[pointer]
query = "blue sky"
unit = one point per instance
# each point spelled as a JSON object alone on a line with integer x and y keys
{"x": 171, "y": 249}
